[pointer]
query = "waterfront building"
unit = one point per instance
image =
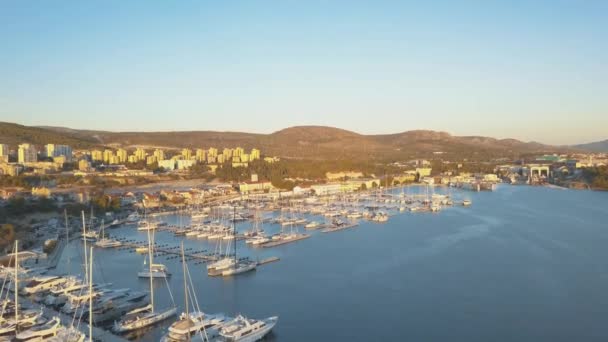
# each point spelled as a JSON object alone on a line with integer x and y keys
{"x": 10, "y": 169}
{"x": 326, "y": 189}
{"x": 256, "y": 186}
{"x": 27, "y": 154}
{"x": 41, "y": 192}
{"x": 423, "y": 171}
{"x": 342, "y": 175}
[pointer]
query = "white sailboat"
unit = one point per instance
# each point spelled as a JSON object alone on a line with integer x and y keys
{"x": 193, "y": 326}
{"x": 23, "y": 319}
{"x": 154, "y": 270}
{"x": 105, "y": 242}
{"x": 146, "y": 316}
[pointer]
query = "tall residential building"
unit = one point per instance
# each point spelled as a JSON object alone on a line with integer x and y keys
{"x": 159, "y": 154}
{"x": 212, "y": 152}
{"x": 255, "y": 154}
{"x": 53, "y": 151}
{"x": 27, "y": 154}
{"x": 187, "y": 153}
{"x": 220, "y": 159}
{"x": 4, "y": 151}
{"x": 140, "y": 154}
{"x": 238, "y": 152}
{"x": 96, "y": 155}
{"x": 122, "y": 155}
{"x": 227, "y": 153}
{"x": 201, "y": 155}
{"x": 107, "y": 156}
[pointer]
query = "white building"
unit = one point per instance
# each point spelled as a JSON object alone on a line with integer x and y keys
{"x": 168, "y": 164}
{"x": 4, "y": 151}
{"x": 27, "y": 154}
{"x": 53, "y": 151}
{"x": 185, "y": 164}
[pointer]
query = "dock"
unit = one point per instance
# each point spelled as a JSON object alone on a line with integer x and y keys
{"x": 339, "y": 228}
{"x": 286, "y": 241}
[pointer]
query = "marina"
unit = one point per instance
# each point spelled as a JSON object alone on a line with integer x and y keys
{"x": 378, "y": 218}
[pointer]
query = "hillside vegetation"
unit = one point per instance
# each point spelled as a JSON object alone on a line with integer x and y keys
{"x": 302, "y": 142}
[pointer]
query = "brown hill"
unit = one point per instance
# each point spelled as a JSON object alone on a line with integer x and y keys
{"x": 307, "y": 142}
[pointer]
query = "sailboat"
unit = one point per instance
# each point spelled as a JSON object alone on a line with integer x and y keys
{"x": 23, "y": 319}
{"x": 154, "y": 270}
{"x": 104, "y": 242}
{"x": 146, "y": 316}
{"x": 256, "y": 236}
{"x": 197, "y": 325}
{"x": 238, "y": 266}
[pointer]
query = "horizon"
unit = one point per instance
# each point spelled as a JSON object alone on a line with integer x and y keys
{"x": 526, "y": 71}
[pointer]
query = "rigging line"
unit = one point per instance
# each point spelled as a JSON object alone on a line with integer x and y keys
{"x": 170, "y": 293}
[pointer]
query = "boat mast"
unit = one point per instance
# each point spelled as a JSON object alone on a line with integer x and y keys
{"x": 150, "y": 252}
{"x": 17, "y": 282}
{"x": 234, "y": 232}
{"x": 67, "y": 234}
{"x": 185, "y": 283}
{"x": 91, "y": 297}
{"x": 86, "y": 251}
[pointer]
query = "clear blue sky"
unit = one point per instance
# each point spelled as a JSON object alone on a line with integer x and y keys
{"x": 533, "y": 70}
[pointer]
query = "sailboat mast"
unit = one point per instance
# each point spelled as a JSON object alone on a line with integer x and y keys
{"x": 150, "y": 252}
{"x": 234, "y": 232}
{"x": 185, "y": 283}
{"x": 86, "y": 251}
{"x": 16, "y": 281}
{"x": 67, "y": 233}
{"x": 91, "y": 297}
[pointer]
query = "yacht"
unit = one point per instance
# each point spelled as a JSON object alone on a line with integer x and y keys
{"x": 243, "y": 329}
{"x": 90, "y": 236}
{"x": 141, "y": 318}
{"x": 24, "y": 319}
{"x": 146, "y": 316}
{"x": 312, "y": 225}
{"x": 466, "y": 203}
{"x": 70, "y": 334}
{"x": 239, "y": 267}
{"x": 156, "y": 271}
{"x": 191, "y": 326}
{"x": 40, "y": 332}
{"x": 257, "y": 240}
{"x": 42, "y": 284}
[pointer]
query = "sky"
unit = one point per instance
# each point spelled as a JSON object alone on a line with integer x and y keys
{"x": 530, "y": 70}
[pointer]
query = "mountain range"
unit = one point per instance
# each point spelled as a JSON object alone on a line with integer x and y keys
{"x": 305, "y": 142}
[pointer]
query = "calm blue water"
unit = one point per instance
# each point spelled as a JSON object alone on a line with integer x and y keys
{"x": 520, "y": 264}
